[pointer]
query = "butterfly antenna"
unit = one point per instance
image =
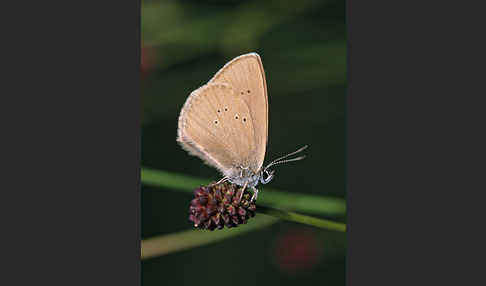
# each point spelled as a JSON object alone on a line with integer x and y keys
{"x": 290, "y": 154}
{"x": 280, "y": 161}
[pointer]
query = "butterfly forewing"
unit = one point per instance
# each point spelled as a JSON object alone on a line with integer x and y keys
{"x": 216, "y": 126}
{"x": 246, "y": 76}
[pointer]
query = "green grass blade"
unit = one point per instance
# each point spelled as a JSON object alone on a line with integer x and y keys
{"x": 299, "y": 218}
{"x": 165, "y": 244}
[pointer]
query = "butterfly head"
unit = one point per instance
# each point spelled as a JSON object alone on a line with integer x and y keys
{"x": 266, "y": 176}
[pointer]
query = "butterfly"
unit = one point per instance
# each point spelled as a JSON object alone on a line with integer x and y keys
{"x": 225, "y": 123}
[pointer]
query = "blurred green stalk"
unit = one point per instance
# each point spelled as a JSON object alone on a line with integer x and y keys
{"x": 268, "y": 197}
{"x": 165, "y": 244}
{"x": 304, "y": 219}
{"x": 169, "y": 243}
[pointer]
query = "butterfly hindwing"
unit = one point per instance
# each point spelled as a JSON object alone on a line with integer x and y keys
{"x": 216, "y": 126}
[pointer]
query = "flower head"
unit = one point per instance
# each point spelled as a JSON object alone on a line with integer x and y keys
{"x": 218, "y": 205}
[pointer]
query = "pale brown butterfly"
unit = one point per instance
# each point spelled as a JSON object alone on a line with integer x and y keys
{"x": 225, "y": 123}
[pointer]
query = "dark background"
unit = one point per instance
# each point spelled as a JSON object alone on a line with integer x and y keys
{"x": 303, "y": 48}
{"x": 415, "y": 159}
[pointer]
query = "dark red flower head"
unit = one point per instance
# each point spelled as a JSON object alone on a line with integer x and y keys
{"x": 216, "y": 206}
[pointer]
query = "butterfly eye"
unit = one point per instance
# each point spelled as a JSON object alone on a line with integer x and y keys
{"x": 244, "y": 119}
{"x": 215, "y": 121}
{"x": 236, "y": 117}
{"x": 248, "y": 91}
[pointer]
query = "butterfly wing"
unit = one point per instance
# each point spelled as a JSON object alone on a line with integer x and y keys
{"x": 246, "y": 76}
{"x": 216, "y": 126}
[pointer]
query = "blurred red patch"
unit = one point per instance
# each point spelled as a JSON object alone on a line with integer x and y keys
{"x": 147, "y": 61}
{"x": 297, "y": 250}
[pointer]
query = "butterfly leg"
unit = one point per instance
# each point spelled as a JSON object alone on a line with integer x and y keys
{"x": 255, "y": 194}
{"x": 242, "y": 191}
{"x": 224, "y": 179}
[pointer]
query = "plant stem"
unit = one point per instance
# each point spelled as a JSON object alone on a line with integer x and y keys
{"x": 308, "y": 220}
{"x": 169, "y": 243}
